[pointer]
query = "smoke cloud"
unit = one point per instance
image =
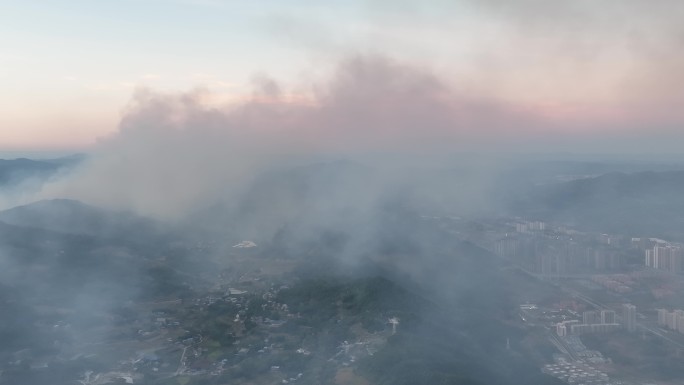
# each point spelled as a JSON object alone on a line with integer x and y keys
{"x": 176, "y": 153}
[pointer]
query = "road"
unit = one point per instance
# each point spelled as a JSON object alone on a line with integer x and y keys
{"x": 181, "y": 363}
{"x": 562, "y": 346}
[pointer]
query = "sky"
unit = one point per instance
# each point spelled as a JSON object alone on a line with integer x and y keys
{"x": 569, "y": 75}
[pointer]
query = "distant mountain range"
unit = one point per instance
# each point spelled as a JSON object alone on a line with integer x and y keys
{"x": 56, "y": 248}
{"x": 643, "y": 203}
{"x": 73, "y": 217}
{"x": 16, "y": 171}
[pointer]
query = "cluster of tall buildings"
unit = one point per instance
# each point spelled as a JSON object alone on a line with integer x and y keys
{"x": 603, "y": 317}
{"x": 673, "y": 320}
{"x": 603, "y": 321}
{"x": 665, "y": 257}
{"x": 557, "y": 255}
{"x": 530, "y": 226}
{"x": 516, "y": 248}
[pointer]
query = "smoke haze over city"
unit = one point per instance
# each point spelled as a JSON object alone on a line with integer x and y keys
{"x": 370, "y": 192}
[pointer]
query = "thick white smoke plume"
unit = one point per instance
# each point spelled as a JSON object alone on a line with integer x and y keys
{"x": 174, "y": 154}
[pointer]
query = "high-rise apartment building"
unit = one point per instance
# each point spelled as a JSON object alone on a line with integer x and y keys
{"x": 629, "y": 317}
{"x": 607, "y": 317}
{"x": 589, "y": 317}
